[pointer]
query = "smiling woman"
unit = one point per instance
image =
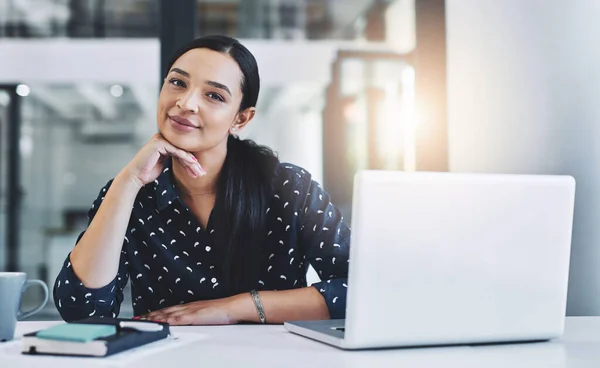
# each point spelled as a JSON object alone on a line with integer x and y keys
{"x": 210, "y": 229}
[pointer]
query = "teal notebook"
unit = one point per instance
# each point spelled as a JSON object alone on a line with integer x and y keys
{"x": 93, "y": 337}
{"x": 77, "y": 332}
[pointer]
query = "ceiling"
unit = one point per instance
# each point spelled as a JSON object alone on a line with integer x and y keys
{"x": 325, "y": 19}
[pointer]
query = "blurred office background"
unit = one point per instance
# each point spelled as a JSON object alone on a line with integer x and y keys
{"x": 79, "y": 82}
{"x": 459, "y": 85}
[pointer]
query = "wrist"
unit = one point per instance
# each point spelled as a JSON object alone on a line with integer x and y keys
{"x": 127, "y": 181}
{"x": 242, "y": 309}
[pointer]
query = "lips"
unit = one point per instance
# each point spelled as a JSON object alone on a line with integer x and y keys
{"x": 182, "y": 121}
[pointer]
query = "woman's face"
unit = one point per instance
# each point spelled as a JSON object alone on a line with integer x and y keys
{"x": 200, "y": 99}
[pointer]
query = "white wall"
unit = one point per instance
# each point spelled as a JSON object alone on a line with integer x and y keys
{"x": 523, "y": 97}
{"x": 131, "y": 61}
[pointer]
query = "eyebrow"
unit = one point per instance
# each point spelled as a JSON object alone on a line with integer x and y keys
{"x": 182, "y": 72}
{"x": 219, "y": 85}
{"x": 210, "y": 83}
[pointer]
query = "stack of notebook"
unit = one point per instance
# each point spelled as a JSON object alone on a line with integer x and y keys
{"x": 93, "y": 337}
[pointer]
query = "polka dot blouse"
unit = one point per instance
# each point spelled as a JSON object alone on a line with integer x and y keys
{"x": 170, "y": 259}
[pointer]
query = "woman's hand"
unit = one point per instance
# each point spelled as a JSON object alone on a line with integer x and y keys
{"x": 305, "y": 303}
{"x": 205, "y": 312}
{"x": 149, "y": 162}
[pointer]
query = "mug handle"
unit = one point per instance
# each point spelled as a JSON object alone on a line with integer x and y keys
{"x": 28, "y": 283}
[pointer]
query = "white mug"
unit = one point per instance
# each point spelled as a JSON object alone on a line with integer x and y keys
{"x": 12, "y": 287}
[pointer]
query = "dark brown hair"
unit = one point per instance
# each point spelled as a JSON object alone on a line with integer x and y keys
{"x": 245, "y": 183}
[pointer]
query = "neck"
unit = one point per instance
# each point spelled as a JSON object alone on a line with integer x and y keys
{"x": 212, "y": 162}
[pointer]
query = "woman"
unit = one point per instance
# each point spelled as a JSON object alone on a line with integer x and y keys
{"x": 210, "y": 229}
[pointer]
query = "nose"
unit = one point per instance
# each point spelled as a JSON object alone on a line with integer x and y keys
{"x": 189, "y": 102}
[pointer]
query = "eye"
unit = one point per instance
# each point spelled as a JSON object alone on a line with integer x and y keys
{"x": 177, "y": 82}
{"x": 215, "y": 96}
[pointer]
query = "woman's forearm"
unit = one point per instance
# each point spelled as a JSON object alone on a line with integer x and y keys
{"x": 281, "y": 306}
{"x": 95, "y": 259}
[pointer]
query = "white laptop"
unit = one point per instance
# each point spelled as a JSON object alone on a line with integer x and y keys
{"x": 448, "y": 258}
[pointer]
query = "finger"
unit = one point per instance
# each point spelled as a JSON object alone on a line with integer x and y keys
{"x": 189, "y": 169}
{"x": 168, "y": 310}
{"x": 165, "y": 148}
{"x": 180, "y": 319}
{"x": 191, "y": 172}
{"x": 196, "y": 167}
{"x": 163, "y": 317}
{"x": 155, "y": 316}
{"x": 187, "y": 159}
{"x": 174, "y": 151}
{"x": 175, "y": 308}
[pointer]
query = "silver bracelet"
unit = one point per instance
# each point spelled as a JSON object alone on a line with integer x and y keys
{"x": 259, "y": 306}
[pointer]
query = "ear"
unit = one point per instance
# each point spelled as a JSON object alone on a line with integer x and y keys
{"x": 242, "y": 119}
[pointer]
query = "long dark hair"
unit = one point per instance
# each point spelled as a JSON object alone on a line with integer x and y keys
{"x": 244, "y": 187}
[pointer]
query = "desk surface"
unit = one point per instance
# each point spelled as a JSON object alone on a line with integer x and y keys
{"x": 272, "y": 346}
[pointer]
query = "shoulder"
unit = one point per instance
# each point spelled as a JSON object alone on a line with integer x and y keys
{"x": 291, "y": 176}
{"x": 103, "y": 191}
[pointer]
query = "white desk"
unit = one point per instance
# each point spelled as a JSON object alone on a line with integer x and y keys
{"x": 272, "y": 346}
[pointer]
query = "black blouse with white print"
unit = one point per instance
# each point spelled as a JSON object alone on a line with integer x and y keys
{"x": 171, "y": 260}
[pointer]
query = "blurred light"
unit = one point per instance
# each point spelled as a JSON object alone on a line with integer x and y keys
{"x": 116, "y": 90}
{"x": 353, "y": 77}
{"x": 351, "y": 112}
{"x": 408, "y": 78}
{"x": 23, "y": 90}
{"x": 400, "y": 25}
{"x": 390, "y": 128}
{"x": 4, "y": 98}
{"x": 410, "y": 119}
{"x": 26, "y": 145}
